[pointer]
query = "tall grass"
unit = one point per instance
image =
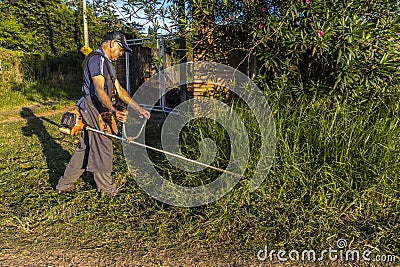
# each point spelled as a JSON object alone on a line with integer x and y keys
{"x": 335, "y": 175}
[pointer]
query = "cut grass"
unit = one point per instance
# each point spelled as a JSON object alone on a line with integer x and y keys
{"x": 335, "y": 175}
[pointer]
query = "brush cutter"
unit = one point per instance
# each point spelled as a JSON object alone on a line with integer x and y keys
{"x": 72, "y": 123}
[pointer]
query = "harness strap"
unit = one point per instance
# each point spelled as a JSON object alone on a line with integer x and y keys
{"x": 110, "y": 79}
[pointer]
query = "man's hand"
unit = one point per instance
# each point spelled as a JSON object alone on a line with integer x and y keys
{"x": 121, "y": 115}
{"x": 143, "y": 113}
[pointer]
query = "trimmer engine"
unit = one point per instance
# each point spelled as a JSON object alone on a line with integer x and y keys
{"x": 71, "y": 122}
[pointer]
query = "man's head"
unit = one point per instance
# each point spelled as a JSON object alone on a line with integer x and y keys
{"x": 115, "y": 42}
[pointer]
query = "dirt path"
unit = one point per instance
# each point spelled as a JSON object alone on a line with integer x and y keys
{"x": 39, "y": 110}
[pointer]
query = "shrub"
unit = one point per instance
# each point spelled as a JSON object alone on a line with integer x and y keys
{"x": 309, "y": 48}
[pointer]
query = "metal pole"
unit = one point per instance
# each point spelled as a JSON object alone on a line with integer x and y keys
{"x": 164, "y": 66}
{"x": 162, "y": 81}
{"x": 127, "y": 69}
{"x": 85, "y": 26}
{"x": 161, "y": 151}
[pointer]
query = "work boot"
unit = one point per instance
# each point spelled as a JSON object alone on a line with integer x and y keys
{"x": 66, "y": 191}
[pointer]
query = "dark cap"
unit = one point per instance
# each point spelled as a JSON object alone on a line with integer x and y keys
{"x": 118, "y": 37}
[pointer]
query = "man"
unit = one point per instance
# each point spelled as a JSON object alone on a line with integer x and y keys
{"x": 95, "y": 152}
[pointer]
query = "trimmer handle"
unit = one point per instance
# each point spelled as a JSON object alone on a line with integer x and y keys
{"x": 121, "y": 106}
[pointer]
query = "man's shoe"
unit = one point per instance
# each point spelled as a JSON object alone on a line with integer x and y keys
{"x": 66, "y": 191}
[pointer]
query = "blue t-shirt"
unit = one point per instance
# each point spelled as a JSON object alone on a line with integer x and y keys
{"x": 96, "y": 65}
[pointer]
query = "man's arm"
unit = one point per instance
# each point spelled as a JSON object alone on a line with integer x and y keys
{"x": 98, "y": 82}
{"x": 125, "y": 97}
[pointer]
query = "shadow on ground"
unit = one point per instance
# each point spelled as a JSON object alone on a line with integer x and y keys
{"x": 56, "y": 156}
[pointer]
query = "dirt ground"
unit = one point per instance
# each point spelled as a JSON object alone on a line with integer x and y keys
{"x": 8, "y": 116}
{"x": 92, "y": 258}
{"x": 60, "y": 258}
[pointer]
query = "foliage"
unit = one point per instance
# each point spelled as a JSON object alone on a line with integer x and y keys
{"x": 114, "y": 18}
{"x": 13, "y": 35}
{"x": 53, "y": 27}
{"x": 313, "y": 47}
{"x": 47, "y": 36}
{"x": 48, "y": 21}
{"x": 29, "y": 78}
{"x": 304, "y": 48}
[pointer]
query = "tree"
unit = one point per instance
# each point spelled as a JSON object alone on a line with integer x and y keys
{"x": 54, "y": 27}
{"x": 13, "y": 36}
{"x": 49, "y": 22}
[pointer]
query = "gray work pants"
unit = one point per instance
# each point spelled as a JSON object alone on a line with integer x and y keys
{"x": 76, "y": 168}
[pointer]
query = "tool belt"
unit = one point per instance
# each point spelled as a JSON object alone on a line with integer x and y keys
{"x": 107, "y": 123}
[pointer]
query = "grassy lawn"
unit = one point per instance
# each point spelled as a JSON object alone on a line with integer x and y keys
{"x": 335, "y": 175}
